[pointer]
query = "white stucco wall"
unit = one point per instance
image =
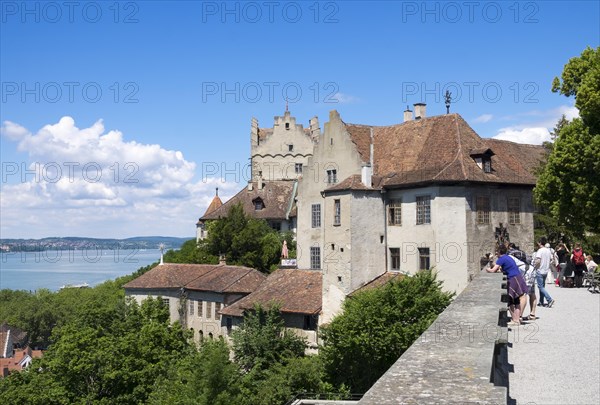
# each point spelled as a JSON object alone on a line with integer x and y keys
{"x": 445, "y": 236}
{"x": 335, "y": 150}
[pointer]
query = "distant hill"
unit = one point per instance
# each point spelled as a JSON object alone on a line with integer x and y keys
{"x": 75, "y": 242}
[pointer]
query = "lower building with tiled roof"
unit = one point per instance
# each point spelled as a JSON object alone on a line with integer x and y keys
{"x": 297, "y": 293}
{"x": 195, "y": 293}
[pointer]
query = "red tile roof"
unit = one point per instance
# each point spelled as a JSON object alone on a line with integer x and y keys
{"x": 438, "y": 149}
{"x": 214, "y": 204}
{"x": 378, "y": 282}
{"x": 276, "y": 196}
{"x": 14, "y": 363}
{"x": 201, "y": 277}
{"x": 354, "y": 182}
{"x": 295, "y": 291}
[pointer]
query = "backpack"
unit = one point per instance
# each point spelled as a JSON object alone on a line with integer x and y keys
{"x": 578, "y": 258}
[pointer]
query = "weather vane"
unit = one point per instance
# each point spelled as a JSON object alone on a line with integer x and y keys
{"x": 448, "y": 98}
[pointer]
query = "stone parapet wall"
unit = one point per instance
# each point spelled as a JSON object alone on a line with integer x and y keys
{"x": 461, "y": 358}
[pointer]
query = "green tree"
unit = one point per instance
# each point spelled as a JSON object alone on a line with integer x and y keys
{"x": 377, "y": 326}
{"x": 115, "y": 359}
{"x": 245, "y": 241}
{"x": 262, "y": 340}
{"x": 568, "y": 187}
{"x": 205, "y": 377}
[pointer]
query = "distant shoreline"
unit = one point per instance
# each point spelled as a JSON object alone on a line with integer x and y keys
{"x": 83, "y": 243}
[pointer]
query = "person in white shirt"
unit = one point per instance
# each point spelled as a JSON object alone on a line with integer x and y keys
{"x": 542, "y": 262}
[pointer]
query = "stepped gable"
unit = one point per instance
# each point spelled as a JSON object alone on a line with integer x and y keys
{"x": 276, "y": 196}
{"x": 204, "y": 277}
{"x": 439, "y": 149}
{"x": 295, "y": 291}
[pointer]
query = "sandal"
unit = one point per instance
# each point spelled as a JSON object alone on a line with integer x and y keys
{"x": 513, "y": 323}
{"x": 532, "y": 317}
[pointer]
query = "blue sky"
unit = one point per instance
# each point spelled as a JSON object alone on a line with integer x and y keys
{"x": 124, "y": 110}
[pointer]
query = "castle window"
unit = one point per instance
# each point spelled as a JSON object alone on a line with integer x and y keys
{"x": 258, "y": 204}
{"x": 310, "y": 322}
{"x": 331, "y": 176}
{"x": 291, "y": 148}
{"x": 316, "y": 215}
{"x": 217, "y": 309}
{"x": 337, "y": 212}
{"x": 287, "y": 125}
{"x": 192, "y": 307}
{"x": 165, "y": 302}
{"x": 200, "y": 308}
{"x": 483, "y": 158}
{"x": 298, "y": 168}
{"x": 315, "y": 257}
{"x": 483, "y": 209}
{"x": 395, "y": 212}
{"x": 424, "y": 259}
{"x": 228, "y": 324}
{"x": 514, "y": 210}
{"x": 395, "y": 258}
{"x": 208, "y": 310}
{"x": 487, "y": 165}
{"x": 423, "y": 210}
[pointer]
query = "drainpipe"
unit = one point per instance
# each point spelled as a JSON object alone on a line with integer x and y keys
{"x": 385, "y": 241}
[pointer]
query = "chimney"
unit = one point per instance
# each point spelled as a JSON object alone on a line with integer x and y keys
{"x": 419, "y": 110}
{"x": 365, "y": 175}
{"x": 222, "y": 260}
{"x": 407, "y": 114}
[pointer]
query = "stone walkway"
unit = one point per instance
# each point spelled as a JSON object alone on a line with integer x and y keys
{"x": 556, "y": 358}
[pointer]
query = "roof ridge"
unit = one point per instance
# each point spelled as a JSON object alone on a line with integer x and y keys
{"x": 238, "y": 279}
{"x": 458, "y": 154}
{"x": 201, "y": 275}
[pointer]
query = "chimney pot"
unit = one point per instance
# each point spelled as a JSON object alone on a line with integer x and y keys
{"x": 420, "y": 110}
{"x": 408, "y": 114}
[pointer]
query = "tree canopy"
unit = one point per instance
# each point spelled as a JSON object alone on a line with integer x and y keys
{"x": 377, "y": 326}
{"x": 243, "y": 240}
{"x": 568, "y": 187}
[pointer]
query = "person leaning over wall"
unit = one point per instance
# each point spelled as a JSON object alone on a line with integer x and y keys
{"x": 517, "y": 287}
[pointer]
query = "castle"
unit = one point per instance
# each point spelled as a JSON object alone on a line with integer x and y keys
{"x": 365, "y": 201}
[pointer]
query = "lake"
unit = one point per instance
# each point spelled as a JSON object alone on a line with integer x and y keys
{"x": 54, "y": 268}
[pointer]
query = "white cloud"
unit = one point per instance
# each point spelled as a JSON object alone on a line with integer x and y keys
{"x": 534, "y": 136}
{"x": 13, "y": 131}
{"x": 483, "y": 118}
{"x": 535, "y": 125}
{"x": 88, "y": 182}
{"x": 343, "y": 98}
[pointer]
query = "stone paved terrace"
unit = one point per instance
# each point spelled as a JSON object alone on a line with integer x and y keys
{"x": 556, "y": 359}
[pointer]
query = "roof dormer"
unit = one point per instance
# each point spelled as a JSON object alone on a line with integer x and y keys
{"x": 483, "y": 158}
{"x": 259, "y": 204}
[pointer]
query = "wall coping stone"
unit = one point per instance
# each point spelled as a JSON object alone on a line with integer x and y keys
{"x": 456, "y": 359}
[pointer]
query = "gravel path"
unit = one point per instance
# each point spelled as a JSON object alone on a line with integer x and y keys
{"x": 556, "y": 358}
